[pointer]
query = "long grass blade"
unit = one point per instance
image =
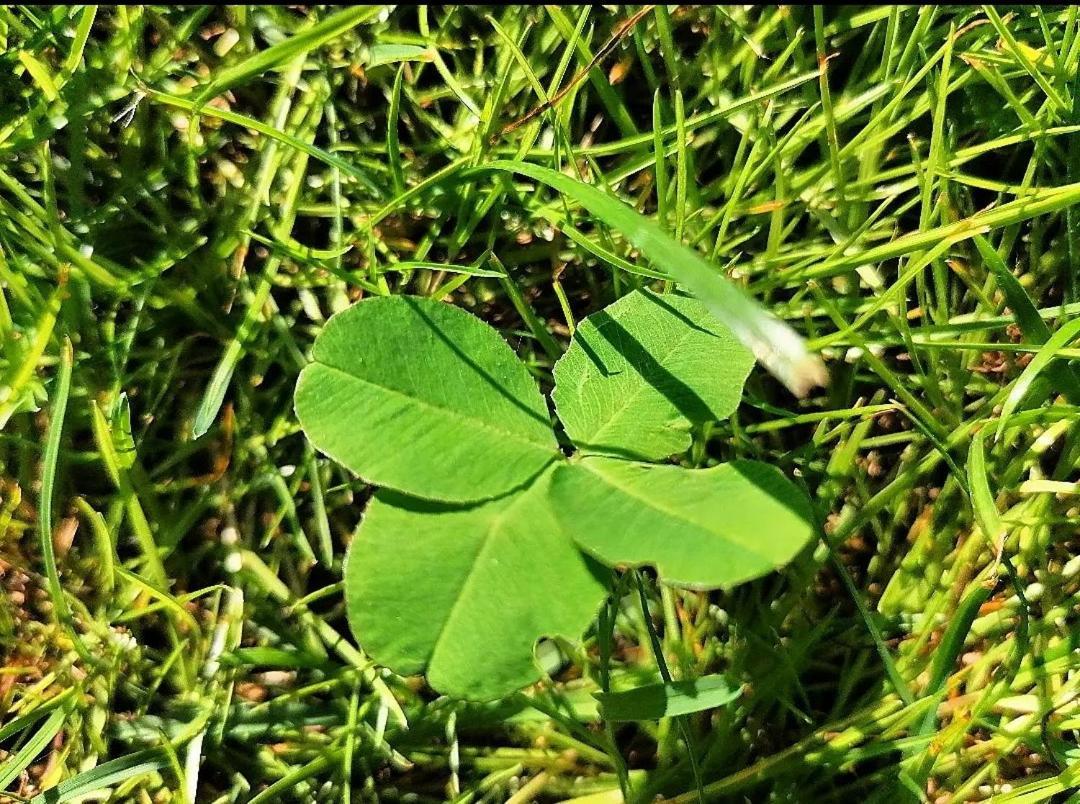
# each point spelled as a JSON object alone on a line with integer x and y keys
{"x": 774, "y": 343}
{"x": 1043, "y": 358}
{"x": 285, "y": 51}
{"x": 21, "y": 759}
{"x": 105, "y": 776}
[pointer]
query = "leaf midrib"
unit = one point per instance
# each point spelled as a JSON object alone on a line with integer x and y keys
{"x": 491, "y": 531}
{"x": 449, "y": 412}
{"x": 485, "y": 544}
{"x": 674, "y": 514}
{"x": 595, "y": 440}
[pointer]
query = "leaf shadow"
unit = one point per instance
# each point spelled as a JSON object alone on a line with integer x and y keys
{"x": 682, "y": 397}
{"x": 770, "y": 480}
{"x": 660, "y": 301}
{"x": 476, "y": 368}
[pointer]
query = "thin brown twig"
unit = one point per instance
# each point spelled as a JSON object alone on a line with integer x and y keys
{"x": 603, "y": 52}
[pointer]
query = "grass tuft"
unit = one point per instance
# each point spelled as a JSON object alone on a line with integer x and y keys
{"x": 187, "y": 194}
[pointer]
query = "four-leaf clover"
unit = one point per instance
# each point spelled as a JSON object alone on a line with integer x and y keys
{"x": 485, "y": 536}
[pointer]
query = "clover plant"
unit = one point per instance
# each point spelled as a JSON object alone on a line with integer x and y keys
{"x": 485, "y": 536}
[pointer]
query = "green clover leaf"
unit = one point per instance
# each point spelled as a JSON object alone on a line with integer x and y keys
{"x": 485, "y": 538}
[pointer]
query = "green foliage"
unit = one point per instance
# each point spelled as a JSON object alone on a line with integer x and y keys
{"x": 473, "y": 556}
{"x": 897, "y": 186}
{"x": 779, "y": 348}
{"x": 670, "y": 699}
{"x": 701, "y": 528}
{"x": 402, "y": 389}
{"x": 464, "y": 592}
{"x": 640, "y": 372}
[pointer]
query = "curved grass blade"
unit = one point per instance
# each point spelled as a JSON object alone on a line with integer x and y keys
{"x": 286, "y": 50}
{"x": 48, "y": 487}
{"x": 982, "y": 499}
{"x": 19, "y": 761}
{"x": 267, "y": 130}
{"x": 1041, "y": 361}
{"x": 105, "y": 775}
{"x": 775, "y": 344}
{"x": 671, "y": 699}
{"x": 450, "y": 268}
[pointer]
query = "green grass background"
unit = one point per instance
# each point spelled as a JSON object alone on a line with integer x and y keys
{"x": 187, "y": 193}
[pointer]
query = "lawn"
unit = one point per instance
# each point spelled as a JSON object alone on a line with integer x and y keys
{"x": 509, "y": 404}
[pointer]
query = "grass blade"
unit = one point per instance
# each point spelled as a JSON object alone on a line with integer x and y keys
{"x": 393, "y": 149}
{"x": 1041, "y": 361}
{"x": 775, "y": 344}
{"x": 655, "y": 701}
{"x": 48, "y": 486}
{"x": 105, "y": 775}
{"x": 982, "y": 499}
{"x": 285, "y": 51}
{"x": 387, "y": 53}
{"x": 346, "y": 167}
{"x": 1027, "y": 314}
{"x": 945, "y": 657}
{"x": 1028, "y": 317}
{"x": 17, "y": 763}
{"x": 41, "y": 75}
{"x": 450, "y": 268}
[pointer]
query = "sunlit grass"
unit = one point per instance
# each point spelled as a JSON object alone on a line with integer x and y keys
{"x": 187, "y": 194}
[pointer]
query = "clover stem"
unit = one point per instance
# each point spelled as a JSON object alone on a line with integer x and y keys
{"x": 665, "y": 673}
{"x": 605, "y": 638}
